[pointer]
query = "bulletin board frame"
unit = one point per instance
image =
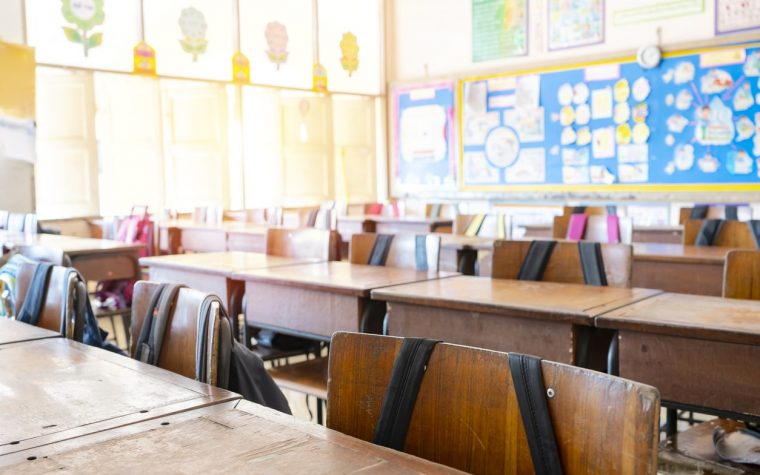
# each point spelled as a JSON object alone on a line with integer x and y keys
{"x": 584, "y": 188}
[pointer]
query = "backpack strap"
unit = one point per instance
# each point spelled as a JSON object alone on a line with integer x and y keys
{"x": 699, "y": 212}
{"x": 708, "y": 232}
{"x": 534, "y": 264}
{"x": 154, "y": 325}
{"x": 613, "y": 229}
{"x": 592, "y": 263}
{"x": 576, "y": 228}
{"x": 473, "y": 228}
{"x": 528, "y": 381}
{"x": 732, "y": 212}
{"x": 35, "y": 297}
{"x": 420, "y": 252}
{"x": 380, "y": 250}
{"x": 401, "y": 394}
{"x": 754, "y": 229}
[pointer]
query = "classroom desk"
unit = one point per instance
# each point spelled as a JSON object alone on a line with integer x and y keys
{"x": 188, "y": 236}
{"x": 677, "y": 268}
{"x": 347, "y": 226}
{"x": 55, "y": 389}
{"x": 13, "y": 331}
{"x": 95, "y": 259}
{"x": 459, "y": 253}
{"x": 212, "y": 271}
{"x": 316, "y": 300}
{"x": 547, "y": 319}
{"x": 702, "y": 353}
{"x": 239, "y": 437}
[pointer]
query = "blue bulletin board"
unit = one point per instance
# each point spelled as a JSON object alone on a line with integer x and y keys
{"x": 424, "y": 138}
{"x": 691, "y": 124}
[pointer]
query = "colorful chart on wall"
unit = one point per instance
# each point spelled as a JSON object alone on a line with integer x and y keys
{"x": 424, "y": 138}
{"x": 499, "y": 29}
{"x": 736, "y": 15}
{"x": 692, "y": 123}
{"x": 575, "y": 23}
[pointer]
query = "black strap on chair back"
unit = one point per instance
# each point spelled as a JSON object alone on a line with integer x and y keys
{"x": 528, "y": 381}
{"x": 732, "y": 212}
{"x": 401, "y": 394}
{"x": 420, "y": 253}
{"x": 435, "y": 210}
{"x": 579, "y": 210}
{"x": 699, "y": 212}
{"x": 592, "y": 263}
{"x": 151, "y": 338}
{"x": 754, "y": 229}
{"x": 534, "y": 264}
{"x": 36, "y": 294}
{"x": 380, "y": 250}
{"x": 708, "y": 232}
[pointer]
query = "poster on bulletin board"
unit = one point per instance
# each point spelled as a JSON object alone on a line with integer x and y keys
{"x": 691, "y": 124}
{"x": 424, "y": 138}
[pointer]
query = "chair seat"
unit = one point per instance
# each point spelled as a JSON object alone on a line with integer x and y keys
{"x": 692, "y": 451}
{"x": 308, "y": 377}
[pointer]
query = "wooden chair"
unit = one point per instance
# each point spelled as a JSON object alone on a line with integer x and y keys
{"x": 179, "y": 344}
{"x": 466, "y": 414}
{"x": 741, "y": 275}
{"x": 51, "y": 255}
{"x": 402, "y": 252}
{"x": 589, "y": 210}
{"x": 733, "y": 234}
{"x": 263, "y": 216}
{"x": 64, "y": 300}
{"x": 303, "y": 243}
{"x": 596, "y": 228}
{"x": 713, "y": 212}
{"x": 564, "y": 264}
{"x": 441, "y": 210}
{"x": 496, "y": 226}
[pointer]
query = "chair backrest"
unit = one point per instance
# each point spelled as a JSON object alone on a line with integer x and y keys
{"x": 713, "y": 212}
{"x": 305, "y": 243}
{"x": 466, "y": 415}
{"x": 402, "y": 253}
{"x": 741, "y": 275}
{"x": 564, "y": 264}
{"x": 497, "y": 226}
{"x": 732, "y": 234}
{"x": 178, "y": 351}
{"x": 441, "y": 210}
{"x": 22, "y": 222}
{"x": 596, "y": 229}
{"x": 590, "y": 210}
{"x": 64, "y": 297}
{"x": 51, "y": 255}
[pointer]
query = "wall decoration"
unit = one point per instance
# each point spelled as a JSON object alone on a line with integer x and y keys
{"x": 575, "y": 23}
{"x": 84, "y": 15}
{"x": 424, "y": 136}
{"x": 349, "y": 48}
{"x": 192, "y": 23}
{"x": 499, "y": 29}
{"x": 277, "y": 40}
{"x": 319, "y": 78}
{"x": 241, "y": 68}
{"x": 693, "y": 123}
{"x": 144, "y": 58}
{"x": 736, "y": 15}
{"x": 654, "y": 10}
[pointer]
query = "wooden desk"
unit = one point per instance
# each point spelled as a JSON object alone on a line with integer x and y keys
{"x": 698, "y": 351}
{"x": 55, "y": 389}
{"x": 412, "y": 225}
{"x": 13, "y": 331}
{"x": 316, "y": 300}
{"x": 547, "y": 319}
{"x": 212, "y": 271}
{"x": 95, "y": 259}
{"x": 237, "y": 437}
{"x": 678, "y": 268}
{"x": 188, "y": 236}
{"x": 459, "y": 253}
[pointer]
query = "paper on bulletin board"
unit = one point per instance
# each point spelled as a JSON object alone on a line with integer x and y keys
{"x": 17, "y": 139}
{"x": 499, "y": 29}
{"x": 575, "y": 23}
{"x": 17, "y": 91}
{"x": 736, "y": 15}
{"x": 653, "y": 10}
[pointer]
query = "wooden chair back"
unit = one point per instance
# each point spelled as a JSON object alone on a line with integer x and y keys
{"x": 64, "y": 299}
{"x": 590, "y": 210}
{"x": 402, "y": 252}
{"x": 733, "y": 234}
{"x": 181, "y": 336}
{"x": 713, "y": 212}
{"x": 444, "y": 210}
{"x": 263, "y": 216}
{"x": 50, "y": 255}
{"x": 489, "y": 228}
{"x": 471, "y": 421}
{"x": 564, "y": 264}
{"x": 305, "y": 243}
{"x": 741, "y": 275}
{"x": 596, "y": 228}
{"x": 22, "y": 222}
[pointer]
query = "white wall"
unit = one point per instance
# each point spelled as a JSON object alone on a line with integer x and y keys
{"x": 11, "y": 21}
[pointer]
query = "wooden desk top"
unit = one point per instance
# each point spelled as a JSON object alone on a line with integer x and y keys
{"x": 13, "y": 331}
{"x": 338, "y": 277}
{"x": 573, "y": 303}
{"x": 691, "y": 316}
{"x": 231, "y": 438}
{"x": 226, "y": 226}
{"x": 658, "y": 252}
{"x": 55, "y": 388}
{"x": 221, "y": 262}
{"x": 71, "y": 245}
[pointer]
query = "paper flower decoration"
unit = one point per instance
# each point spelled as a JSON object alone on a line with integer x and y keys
{"x": 192, "y": 22}
{"x": 84, "y": 15}
{"x": 277, "y": 40}
{"x": 350, "y": 49}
